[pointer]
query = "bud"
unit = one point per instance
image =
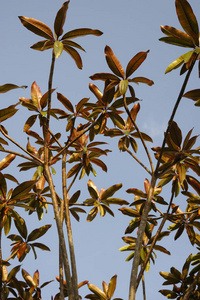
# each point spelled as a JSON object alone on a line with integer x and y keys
{"x": 123, "y": 85}
{"x": 58, "y": 48}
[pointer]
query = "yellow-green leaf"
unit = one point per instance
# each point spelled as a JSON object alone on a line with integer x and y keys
{"x": 58, "y": 48}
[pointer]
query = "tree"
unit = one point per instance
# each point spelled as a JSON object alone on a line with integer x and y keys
{"x": 111, "y": 113}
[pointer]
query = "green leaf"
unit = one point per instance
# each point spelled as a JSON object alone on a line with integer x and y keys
{"x": 37, "y": 233}
{"x": 114, "y": 63}
{"x": 81, "y": 32}
{"x": 60, "y": 19}
{"x": 40, "y": 246}
{"x": 37, "y": 27}
{"x": 20, "y": 224}
{"x": 58, "y": 48}
{"x": 9, "y": 86}
{"x": 188, "y": 20}
{"x": 169, "y": 294}
{"x": 135, "y": 62}
{"x": 7, "y": 113}
{"x": 110, "y": 191}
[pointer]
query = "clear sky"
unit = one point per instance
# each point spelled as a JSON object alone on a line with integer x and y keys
{"x": 129, "y": 27}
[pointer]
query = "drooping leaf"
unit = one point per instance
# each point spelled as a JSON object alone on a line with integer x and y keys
{"x": 20, "y": 224}
{"x": 81, "y": 32}
{"x": 75, "y": 55}
{"x": 135, "y": 62}
{"x": 114, "y": 63}
{"x": 37, "y": 27}
{"x": 9, "y": 86}
{"x": 187, "y": 19}
{"x": 37, "y": 233}
{"x": 60, "y": 19}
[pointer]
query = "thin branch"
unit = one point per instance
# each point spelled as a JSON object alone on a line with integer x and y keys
{"x": 17, "y": 154}
{"x": 69, "y": 230}
{"x": 24, "y": 150}
{"x": 192, "y": 287}
{"x": 139, "y": 133}
{"x": 137, "y": 160}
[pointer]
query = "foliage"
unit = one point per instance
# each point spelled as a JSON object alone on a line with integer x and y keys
{"x": 112, "y": 114}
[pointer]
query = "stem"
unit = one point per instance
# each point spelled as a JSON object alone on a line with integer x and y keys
{"x": 143, "y": 287}
{"x": 69, "y": 230}
{"x": 136, "y": 260}
{"x": 154, "y": 242}
{"x": 137, "y": 160}
{"x": 1, "y": 263}
{"x": 139, "y": 133}
{"x": 192, "y": 287}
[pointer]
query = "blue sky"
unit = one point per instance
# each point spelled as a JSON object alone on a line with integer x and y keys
{"x": 128, "y": 27}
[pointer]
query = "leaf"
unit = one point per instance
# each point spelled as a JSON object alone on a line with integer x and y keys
{"x": 92, "y": 214}
{"x": 9, "y": 86}
{"x": 169, "y": 294}
{"x": 135, "y": 62}
{"x": 37, "y": 27}
{"x": 58, "y": 48}
{"x": 114, "y": 63}
{"x": 67, "y": 104}
{"x": 75, "y": 55}
{"x": 142, "y": 80}
{"x": 23, "y": 189}
{"x": 187, "y": 20}
{"x": 43, "y": 45}
{"x": 179, "y": 61}
{"x": 40, "y": 246}
{"x": 97, "y": 291}
{"x": 81, "y": 32}
{"x": 60, "y": 19}
{"x": 6, "y": 161}
{"x": 29, "y": 123}
{"x": 93, "y": 190}
{"x": 37, "y": 233}
{"x": 112, "y": 286}
{"x": 7, "y": 113}
{"x": 20, "y": 224}
{"x": 179, "y": 37}
{"x": 161, "y": 249}
{"x": 13, "y": 272}
{"x": 110, "y": 191}
{"x": 27, "y": 277}
{"x": 74, "y": 198}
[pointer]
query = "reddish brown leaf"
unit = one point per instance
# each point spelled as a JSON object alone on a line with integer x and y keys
{"x": 114, "y": 63}
{"x": 135, "y": 62}
{"x": 75, "y": 55}
{"x": 81, "y": 32}
{"x": 60, "y": 19}
{"x": 37, "y": 27}
{"x": 67, "y": 104}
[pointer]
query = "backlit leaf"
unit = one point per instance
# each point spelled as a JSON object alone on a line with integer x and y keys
{"x": 112, "y": 286}
{"x": 93, "y": 190}
{"x": 37, "y": 233}
{"x": 179, "y": 61}
{"x": 135, "y": 62}
{"x": 142, "y": 80}
{"x": 60, "y": 19}
{"x": 97, "y": 291}
{"x": 67, "y": 104}
{"x": 30, "y": 122}
{"x": 75, "y": 55}
{"x": 5, "y": 162}
{"x": 110, "y": 191}
{"x": 27, "y": 277}
{"x": 187, "y": 20}
{"x": 58, "y": 48}
{"x": 9, "y": 86}
{"x": 37, "y": 27}
{"x": 23, "y": 189}
{"x": 7, "y": 113}
{"x": 114, "y": 63}
{"x": 81, "y": 32}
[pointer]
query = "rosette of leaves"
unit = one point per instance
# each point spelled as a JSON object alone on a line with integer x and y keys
{"x": 23, "y": 243}
{"x": 181, "y": 281}
{"x": 120, "y": 78}
{"x": 80, "y": 110}
{"x": 59, "y": 41}
{"x": 178, "y": 157}
{"x": 184, "y": 221}
{"x": 188, "y": 39}
{"x": 146, "y": 244}
{"x": 128, "y": 132}
{"x": 102, "y": 200}
{"x": 105, "y": 294}
{"x": 85, "y": 154}
{"x": 103, "y": 110}
{"x": 139, "y": 203}
{"x": 9, "y": 200}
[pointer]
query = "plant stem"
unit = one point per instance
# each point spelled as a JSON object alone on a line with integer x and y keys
{"x": 139, "y": 162}
{"x": 136, "y": 260}
{"x": 69, "y": 230}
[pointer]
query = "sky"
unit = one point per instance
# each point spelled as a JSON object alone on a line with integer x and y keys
{"x": 128, "y": 27}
